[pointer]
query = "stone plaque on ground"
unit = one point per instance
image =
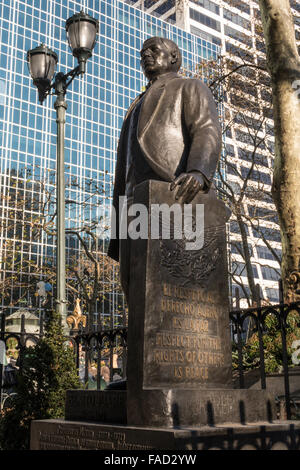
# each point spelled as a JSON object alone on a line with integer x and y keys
{"x": 67, "y": 435}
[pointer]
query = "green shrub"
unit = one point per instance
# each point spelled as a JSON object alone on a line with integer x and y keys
{"x": 48, "y": 371}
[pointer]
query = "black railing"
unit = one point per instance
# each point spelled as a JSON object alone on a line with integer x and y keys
{"x": 22, "y": 340}
{"x": 99, "y": 355}
{"x": 106, "y": 348}
{"x": 255, "y": 319}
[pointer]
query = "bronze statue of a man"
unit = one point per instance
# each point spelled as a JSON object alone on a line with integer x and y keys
{"x": 170, "y": 133}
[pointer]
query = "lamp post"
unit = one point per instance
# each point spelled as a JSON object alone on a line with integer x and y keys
{"x": 82, "y": 32}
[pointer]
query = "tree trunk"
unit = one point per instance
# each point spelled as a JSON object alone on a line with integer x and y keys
{"x": 247, "y": 259}
{"x": 284, "y": 66}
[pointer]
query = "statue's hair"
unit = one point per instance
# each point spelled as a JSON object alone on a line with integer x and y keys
{"x": 171, "y": 46}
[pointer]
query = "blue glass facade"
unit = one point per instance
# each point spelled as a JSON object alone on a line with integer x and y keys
{"x": 97, "y": 104}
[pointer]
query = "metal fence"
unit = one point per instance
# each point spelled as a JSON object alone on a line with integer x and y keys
{"x": 100, "y": 356}
{"x": 21, "y": 340}
{"x": 255, "y": 319}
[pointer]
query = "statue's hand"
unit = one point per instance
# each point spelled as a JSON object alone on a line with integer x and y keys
{"x": 190, "y": 184}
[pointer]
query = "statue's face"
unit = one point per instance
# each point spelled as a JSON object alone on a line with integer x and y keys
{"x": 155, "y": 59}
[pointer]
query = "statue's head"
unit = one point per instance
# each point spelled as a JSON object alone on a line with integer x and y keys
{"x": 159, "y": 56}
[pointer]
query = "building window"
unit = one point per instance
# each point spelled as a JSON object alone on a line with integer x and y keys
{"x": 172, "y": 18}
{"x": 206, "y": 20}
{"x": 238, "y": 35}
{"x": 237, "y": 51}
{"x": 208, "y": 5}
{"x": 243, "y": 7}
{"x": 241, "y": 291}
{"x": 249, "y": 156}
{"x": 295, "y": 5}
{"x": 272, "y": 294}
{"x": 255, "y": 175}
{"x": 237, "y": 19}
{"x": 264, "y": 253}
{"x": 149, "y": 3}
{"x": 206, "y": 36}
{"x": 239, "y": 269}
{"x": 237, "y": 248}
{"x": 234, "y": 228}
{"x": 166, "y": 6}
{"x": 270, "y": 274}
{"x": 230, "y": 150}
{"x": 263, "y": 213}
{"x": 269, "y": 233}
{"x": 231, "y": 169}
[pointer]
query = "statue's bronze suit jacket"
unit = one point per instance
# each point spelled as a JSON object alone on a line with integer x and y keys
{"x": 178, "y": 131}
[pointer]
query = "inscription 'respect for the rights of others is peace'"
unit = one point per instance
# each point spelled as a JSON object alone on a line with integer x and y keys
{"x": 187, "y": 347}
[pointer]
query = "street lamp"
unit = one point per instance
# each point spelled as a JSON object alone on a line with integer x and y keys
{"x": 82, "y": 32}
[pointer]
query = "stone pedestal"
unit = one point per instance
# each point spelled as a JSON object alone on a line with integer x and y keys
{"x": 178, "y": 330}
{"x": 171, "y": 408}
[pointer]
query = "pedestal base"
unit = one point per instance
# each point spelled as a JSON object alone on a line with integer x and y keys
{"x": 71, "y": 435}
{"x": 171, "y": 407}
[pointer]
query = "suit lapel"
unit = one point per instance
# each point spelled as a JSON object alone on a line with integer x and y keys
{"x": 150, "y": 102}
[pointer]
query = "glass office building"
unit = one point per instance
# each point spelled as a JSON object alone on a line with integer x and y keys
{"x": 97, "y": 104}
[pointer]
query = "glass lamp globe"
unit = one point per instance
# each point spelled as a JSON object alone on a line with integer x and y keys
{"x": 42, "y": 63}
{"x": 82, "y": 31}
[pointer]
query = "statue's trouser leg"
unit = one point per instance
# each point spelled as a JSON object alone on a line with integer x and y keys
{"x": 125, "y": 250}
